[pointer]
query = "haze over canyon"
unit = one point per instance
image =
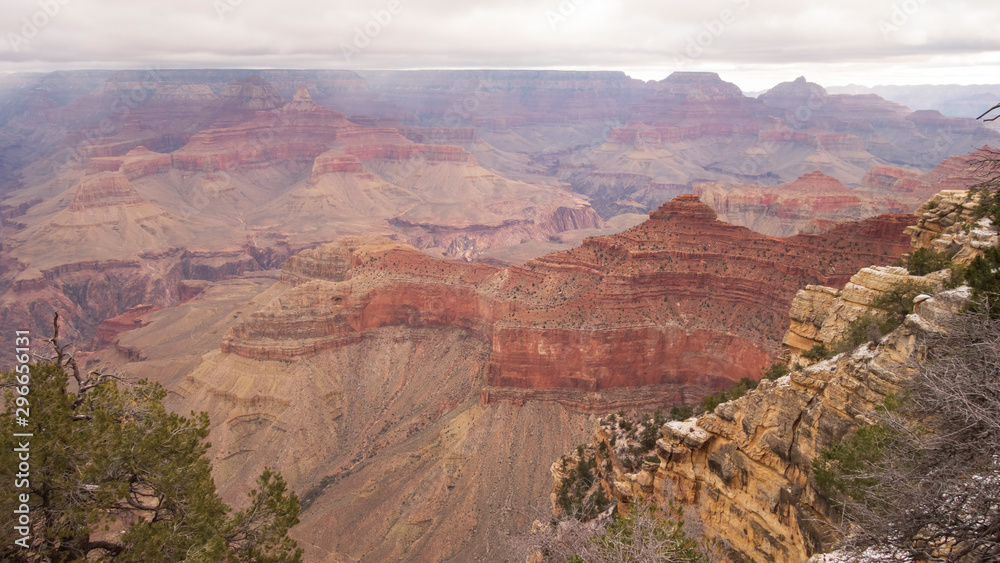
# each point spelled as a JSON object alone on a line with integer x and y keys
{"x": 412, "y": 291}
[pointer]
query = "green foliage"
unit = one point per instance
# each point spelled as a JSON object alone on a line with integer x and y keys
{"x": 648, "y": 436}
{"x": 892, "y": 305}
{"x": 817, "y": 352}
{"x": 108, "y": 456}
{"x": 924, "y": 261}
{"x": 866, "y": 328}
{"x": 682, "y": 412}
{"x": 897, "y": 301}
{"x": 983, "y": 277}
{"x": 776, "y": 371}
{"x": 740, "y": 388}
{"x": 987, "y": 190}
{"x": 845, "y": 468}
{"x": 577, "y": 495}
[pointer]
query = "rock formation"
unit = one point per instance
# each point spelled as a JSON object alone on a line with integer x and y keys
{"x": 946, "y": 226}
{"x": 414, "y": 367}
{"x": 814, "y": 200}
{"x": 681, "y": 300}
{"x": 743, "y": 471}
{"x": 821, "y": 315}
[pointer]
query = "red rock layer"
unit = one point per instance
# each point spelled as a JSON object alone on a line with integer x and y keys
{"x": 441, "y": 153}
{"x": 136, "y": 163}
{"x": 104, "y": 190}
{"x": 109, "y": 329}
{"x": 301, "y": 130}
{"x": 328, "y": 163}
{"x": 445, "y": 135}
{"x": 953, "y": 173}
{"x": 682, "y": 300}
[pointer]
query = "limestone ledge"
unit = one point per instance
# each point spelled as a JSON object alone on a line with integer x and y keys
{"x": 946, "y": 225}
{"x": 821, "y": 315}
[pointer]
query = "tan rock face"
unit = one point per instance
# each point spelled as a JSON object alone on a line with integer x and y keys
{"x": 104, "y": 190}
{"x": 945, "y": 225}
{"x": 821, "y": 315}
{"x": 745, "y": 469}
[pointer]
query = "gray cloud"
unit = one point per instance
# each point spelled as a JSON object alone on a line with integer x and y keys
{"x": 754, "y": 43}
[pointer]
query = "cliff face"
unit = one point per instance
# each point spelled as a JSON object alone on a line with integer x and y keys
{"x": 815, "y": 199}
{"x": 744, "y": 470}
{"x": 821, "y": 315}
{"x": 946, "y": 226}
{"x": 680, "y": 301}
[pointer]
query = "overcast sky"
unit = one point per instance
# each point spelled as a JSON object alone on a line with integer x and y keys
{"x": 754, "y": 43}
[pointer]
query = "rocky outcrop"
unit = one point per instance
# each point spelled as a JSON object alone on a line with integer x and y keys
{"x": 682, "y": 301}
{"x": 331, "y": 162}
{"x": 104, "y": 190}
{"x": 815, "y": 198}
{"x": 134, "y": 164}
{"x": 821, "y": 315}
{"x": 744, "y": 470}
{"x": 109, "y": 329}
{"x": 790, "y": 208}
{"x": 298, "y": 130}
{"x": 438, "y": 153}
{"x": 946, "y": 225}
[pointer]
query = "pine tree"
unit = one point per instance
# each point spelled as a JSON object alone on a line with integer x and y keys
{"x": 116, "y": 477}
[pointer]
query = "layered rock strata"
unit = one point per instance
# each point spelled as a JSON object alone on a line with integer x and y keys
{"x": 743, "y": 471}
{"x": 946, "y": 225}
{"x": 682, "y": 300}
{"x": 821, "y": 315}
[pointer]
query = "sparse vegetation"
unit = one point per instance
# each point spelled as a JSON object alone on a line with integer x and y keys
{"x": 987, "y": 190}
{"x": 106, "y": 455}
{"x": 866, "y": 328}
{"x": 897, "y": 301}
{"x": 580, "y": 495}
{"x": 642, "y": 532}
{"x": 817, "y": 353}
{"x": 924, "y": 261}
{"x": 983, "y": 277}
{"x": 923, "y": 484}
{"x": 683, "y": 412}
{"x": 740, "y": 388}
{"x": 777, "y": 370}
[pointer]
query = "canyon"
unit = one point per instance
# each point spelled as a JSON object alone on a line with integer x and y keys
{"x": 741, "y": 471}
{"x": 366, "y": 358}
{"x": 405, "y": 289}
{"x": 201, "y": 174}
